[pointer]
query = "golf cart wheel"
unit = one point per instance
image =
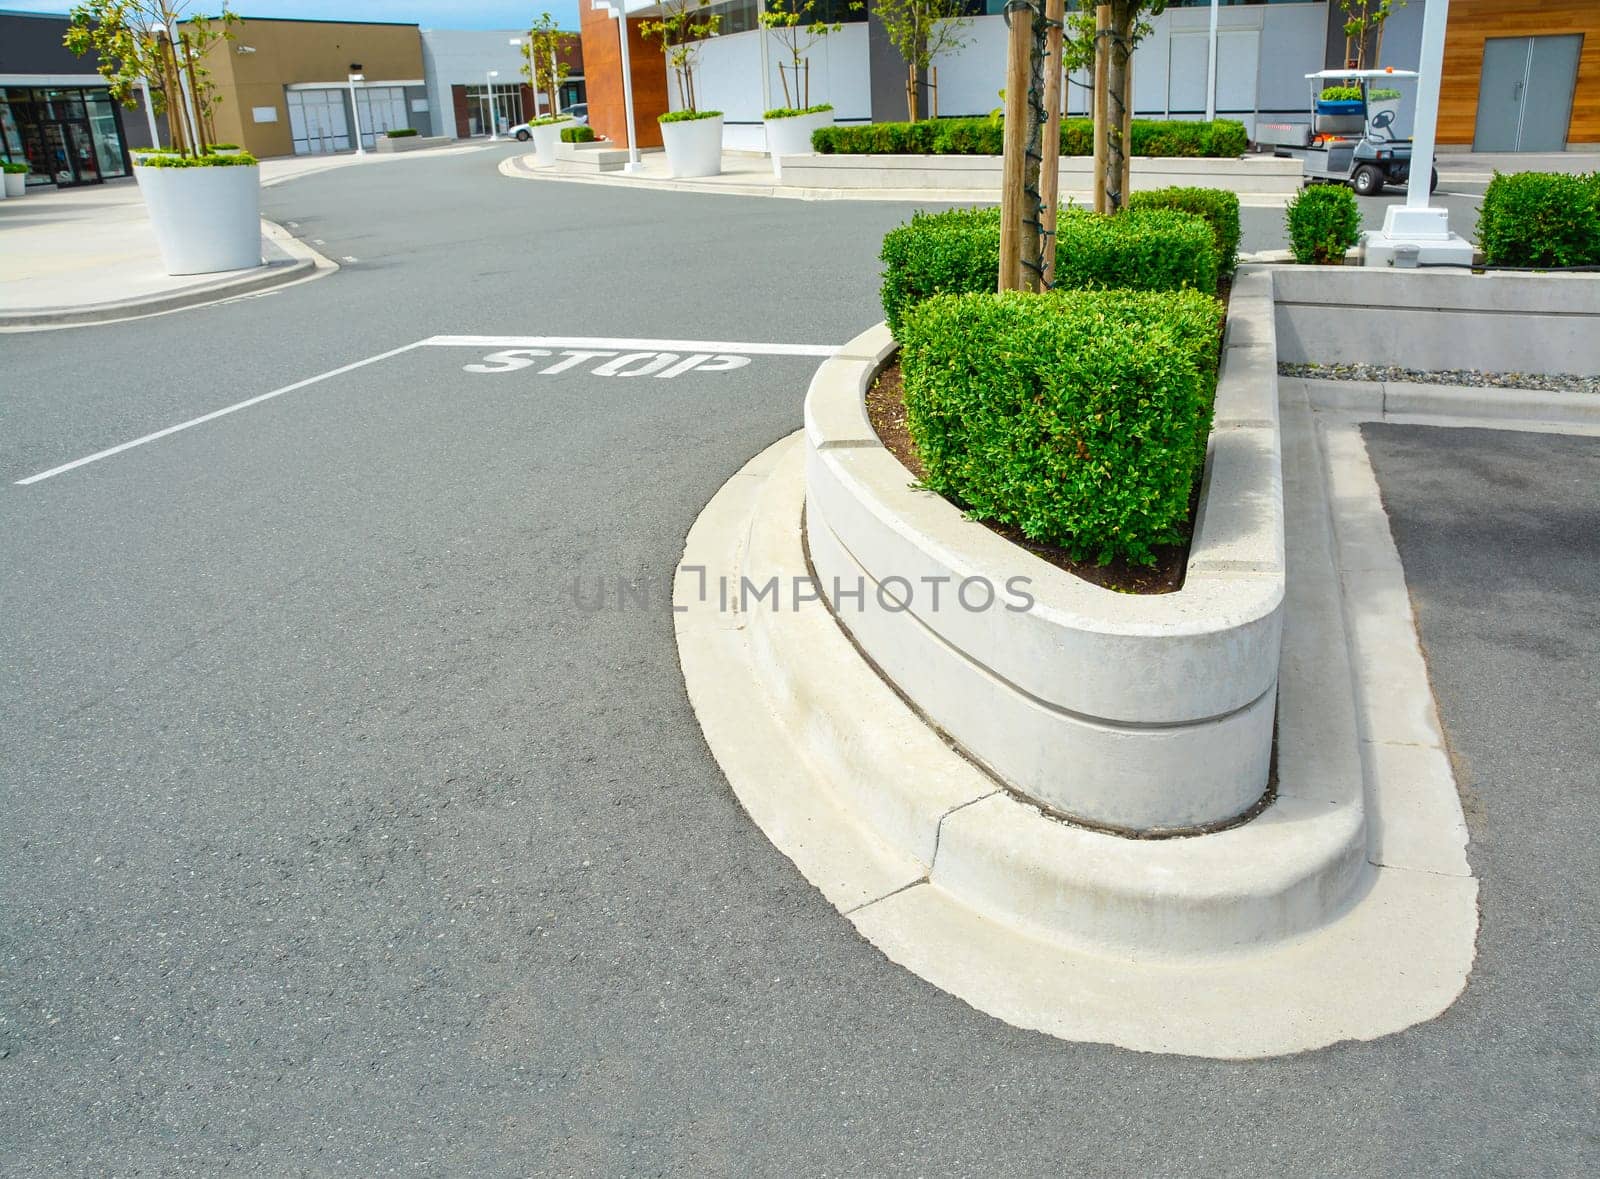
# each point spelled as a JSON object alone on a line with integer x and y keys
{"x": 1433, "y": 182}
{"x": 524, "y": 136}
{"x": 1368, "y": 181}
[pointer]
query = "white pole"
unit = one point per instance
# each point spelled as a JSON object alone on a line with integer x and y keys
{"x": 150, "y": 113}
{"x": 355, "y": 113}
{"x": 627, "y": 86}
{"x": 494, "y": 119}
{"x": 766, "y": 65}
{"x": 1211, "y": 66}
{"x": 1431, "y": 67}
{"x": 555, "y": 83}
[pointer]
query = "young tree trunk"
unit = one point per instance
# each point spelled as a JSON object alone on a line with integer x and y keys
{"x": 1118, "y": 98}
{"x": 911, "y": 93}
{"x": 200, "y": 144}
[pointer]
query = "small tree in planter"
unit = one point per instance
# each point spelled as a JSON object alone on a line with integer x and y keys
{"x": 542, "y": 66}
{"x": 799, "y": 26}
{"x": 1363, "y": 18}
{"x": 692, "y": 137}
{"x": 204, "y": 205}
{"x": 921, "y": 30}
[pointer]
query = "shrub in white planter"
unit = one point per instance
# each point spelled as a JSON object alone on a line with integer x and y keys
{"x": 16, "y": 182}
{"x": 693, "y": 140}
{"x": 547, "y": 136}
{"x": 789, "y": 132}
{"x": 206, "y": 210}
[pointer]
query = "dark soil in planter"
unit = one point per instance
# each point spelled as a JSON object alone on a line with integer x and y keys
{"x": 886, "y": 408}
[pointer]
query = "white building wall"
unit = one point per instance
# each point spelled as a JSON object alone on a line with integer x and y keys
{"x": 463, "y": 57}
{"x": 1264, "y": 51}
{"x": 728, "y": 79}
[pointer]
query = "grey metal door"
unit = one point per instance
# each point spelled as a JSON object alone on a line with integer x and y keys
{"x": 1525, "y": 93}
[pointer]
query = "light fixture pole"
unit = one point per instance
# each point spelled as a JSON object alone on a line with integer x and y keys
{"x": 1211, "y": 66}
{"x": 355, "y": 111}
{"x": 617, "y": 14}
{"x": 494, "y": 122}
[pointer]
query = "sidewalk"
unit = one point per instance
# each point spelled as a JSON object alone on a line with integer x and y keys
{"x": 1475, "y": 167}
{"x": 748, "y": 174}
{"x": 88, "y": 255}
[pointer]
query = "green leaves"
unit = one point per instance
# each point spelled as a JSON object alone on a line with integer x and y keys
{"x": 580, "y": 133}
{"x": 1080, "y": 418}
{"x": 1541, "y": 219}
{"x": 241, "y": 159}
{"x": 1219, "y": 207}
{"x": 687, "y": 116}
{"x": 1222, "y": 139}
{"x": 787, "y": 112}
{"x": 1340, "y": 94}
{"x": 1324, "y": 221}
{"x": 958, "y": 251}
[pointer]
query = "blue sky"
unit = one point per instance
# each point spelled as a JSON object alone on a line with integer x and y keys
{"x": 437, "y": 14}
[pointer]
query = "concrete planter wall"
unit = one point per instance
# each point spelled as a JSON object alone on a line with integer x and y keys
{"x": 16, "y": 184}
{"x": 1439, "y": 319}
{"x": 386, "y": 146}
{"x": 1249, "y": 174}
{"x": 206, "y": 219}
{"x": 792, "y": 137}
{"x": 1131, "y": 712}
{"x": 694, "y": 146}
{"x": 547, "y": 141}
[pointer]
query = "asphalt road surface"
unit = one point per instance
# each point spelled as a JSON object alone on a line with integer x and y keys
{"x": 350, "y": 831}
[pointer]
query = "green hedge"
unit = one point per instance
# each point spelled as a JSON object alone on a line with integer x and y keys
{"x": 582, "y": 133}
{"x": 1219, "y": 207}
{"x": 13, "y": 169}
{"x": 400, "y": 132}
{"x": 1324, "y": 221}
{"x": 241, "y": 159}
{"x": 686, "y": 116}
{"x": 789, "y": 112}
{"x": 985, "y": 137}
{"x": 1541, "y": 219}
{"x": 1080, "y": 418}
{"x": 958, "y": 252}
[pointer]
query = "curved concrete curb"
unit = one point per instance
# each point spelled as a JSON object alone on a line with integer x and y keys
{"x": 1142, "y": 713}
{"x": 1273, "y": 937}
{"x": 309, "y": 264}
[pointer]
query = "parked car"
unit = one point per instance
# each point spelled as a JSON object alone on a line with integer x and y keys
{"x": 579, "y": 112}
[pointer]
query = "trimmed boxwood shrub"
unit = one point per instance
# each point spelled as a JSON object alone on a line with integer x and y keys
{"x": 1079, "y": 418}
{"x": 1324, "y": 222}
{"x": 401, "y": 132}
{"x": 682, "y": 116}
{"x": 12, "y": 169}
{"x": 241, "y": 159}
{"x": 1541, "y": 219}
{"x": 958, "y": 251}
{"x": 789, "y": 112}
{"x": 1219, "y": 207}
{"x": 582, "y": 133}
{"x": 986, "y": 137}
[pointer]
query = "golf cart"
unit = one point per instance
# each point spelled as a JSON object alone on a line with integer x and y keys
{"x": 1349, "y": 139}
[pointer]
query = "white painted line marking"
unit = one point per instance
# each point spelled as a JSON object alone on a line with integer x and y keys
{"x": 292, "y": 224}
{"x": 349, "y": 258}
{"x": 212, "y": 416}
{"x": 608, "y": 343}
{"x": 316, "y": 241}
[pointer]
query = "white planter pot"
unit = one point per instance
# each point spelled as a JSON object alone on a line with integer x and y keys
{"x": 547, "y": 140}
{"x": 792, "y": 137}
{"x": 16, "y": 183}
{"x": 694, "y": 146}
{"x": 1376, "y": 106}
{"x": 5, "y": 188}
{"x": 206, "y": 219}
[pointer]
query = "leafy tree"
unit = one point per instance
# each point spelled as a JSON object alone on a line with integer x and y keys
{"x": 155, "y": 41}
{"x": 542, "y": 50}
{"x": 682, "y": 27}
{"x": 799, "y": 25}
{"x": 1363, "y": 18}
{"x": 921, "y": 30}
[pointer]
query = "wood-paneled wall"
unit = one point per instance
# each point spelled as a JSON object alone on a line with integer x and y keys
{"x": 1474, "y": 21}
{"x": 602, "y": 79}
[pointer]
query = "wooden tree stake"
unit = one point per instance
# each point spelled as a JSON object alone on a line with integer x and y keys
{"x": 1102, "y": 22}
{"x": 1013, "y": 197}
{"x": 1050, "y": 150}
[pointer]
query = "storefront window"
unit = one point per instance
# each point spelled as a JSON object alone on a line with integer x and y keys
{"x": 66, "y": 136}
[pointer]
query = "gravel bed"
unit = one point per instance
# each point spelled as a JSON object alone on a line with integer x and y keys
{"x": 1548, "y": 382}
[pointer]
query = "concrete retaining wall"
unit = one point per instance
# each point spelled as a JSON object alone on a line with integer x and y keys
{"x": 1437, "y": 319}
{"x": 1250, "y": 174}
{"x": 411, "y": 142}
{"x": 1135, "y": 712}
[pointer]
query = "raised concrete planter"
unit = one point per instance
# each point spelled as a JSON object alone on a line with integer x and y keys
{"x": 693, "y": 146}
{"x": 792, "y": 137}
{"x": 1439, "y": 319}
{"x": 1248, "y": 174}
{"x": 386, "y": 146}
{"x": 206, "y": 219}
{"x": 16, "y": 184}
{"x": 1130, "y": 712}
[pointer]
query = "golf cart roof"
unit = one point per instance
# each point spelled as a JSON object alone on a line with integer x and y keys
{"x": 1365, "y": 74}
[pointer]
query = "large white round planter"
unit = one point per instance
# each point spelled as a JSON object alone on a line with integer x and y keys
{"x": 694, "y": 146}
{"x": 16, "y": 184}
{"x": 792, "y": 136}
{"x": 547, "y": 141}
{"x": 206, "y": 219}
